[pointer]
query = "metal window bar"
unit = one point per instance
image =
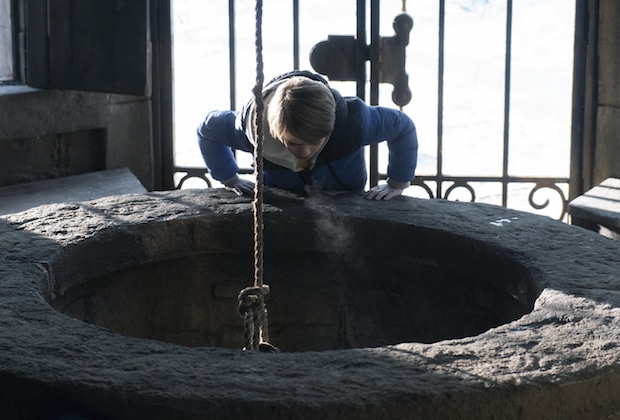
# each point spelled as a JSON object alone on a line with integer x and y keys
{"x": 439, "y": 179}
{"x": 454, "y": 182}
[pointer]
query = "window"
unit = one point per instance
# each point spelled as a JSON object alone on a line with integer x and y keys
{"x": 491, "y": 84}
{"x": 7, "y": 67}
{"x": 91, "y": 45}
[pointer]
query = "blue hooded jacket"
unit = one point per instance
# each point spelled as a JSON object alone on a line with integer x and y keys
{"x": 340, "y": 165}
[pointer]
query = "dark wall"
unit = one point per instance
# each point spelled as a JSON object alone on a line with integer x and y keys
{"x": 596, "y": 116}
{"x": 51, "y": 133}
{"x": 607, "y": 150}
{"x": 52, "y": 156}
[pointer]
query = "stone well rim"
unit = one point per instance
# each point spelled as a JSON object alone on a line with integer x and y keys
{"x": 313, "y": 381}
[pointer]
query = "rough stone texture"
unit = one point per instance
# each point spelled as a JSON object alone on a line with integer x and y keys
{"x": 561, "y": 361}
{"x": 88, "y": 186}
{"x": 52, "y": 156}
{"x": 31, "y": 122}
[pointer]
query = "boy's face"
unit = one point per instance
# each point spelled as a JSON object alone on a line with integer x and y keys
{"x": 301, "y": 149}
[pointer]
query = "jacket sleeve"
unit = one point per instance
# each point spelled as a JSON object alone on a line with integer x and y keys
{"x": 394, "y": 126}
{"x": 218, "y": 134}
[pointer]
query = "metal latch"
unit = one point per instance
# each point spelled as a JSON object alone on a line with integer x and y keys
{"x": 339, "y": 57}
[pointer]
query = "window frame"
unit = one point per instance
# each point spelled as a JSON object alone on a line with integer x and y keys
{"x": 51, "y": 51}
{"x": 13, "y": 41}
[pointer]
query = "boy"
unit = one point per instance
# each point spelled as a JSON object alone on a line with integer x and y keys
{"x": 314, "y": 140}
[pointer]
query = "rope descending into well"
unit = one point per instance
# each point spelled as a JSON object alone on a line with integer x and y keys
{"x": 252, "y": 299}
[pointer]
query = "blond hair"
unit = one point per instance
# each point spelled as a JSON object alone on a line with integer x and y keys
{"x": 303, "y": 107}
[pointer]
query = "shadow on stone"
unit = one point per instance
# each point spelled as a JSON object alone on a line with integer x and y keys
{"x": 337, "y": 282}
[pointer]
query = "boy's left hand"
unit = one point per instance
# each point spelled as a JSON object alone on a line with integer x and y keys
{"x": 383, "y": 192}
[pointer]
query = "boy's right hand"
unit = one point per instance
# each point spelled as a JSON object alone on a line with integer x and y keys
{"x": 239, "y": 186}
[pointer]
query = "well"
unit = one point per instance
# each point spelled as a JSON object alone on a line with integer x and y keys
{"x": 125, "y": 307}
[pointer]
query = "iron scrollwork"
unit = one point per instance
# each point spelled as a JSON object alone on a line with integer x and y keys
{"x": 547, "y": 185}
{"x": 461, "y": 184}
{"x": 200, "y": 173}
{"x": 458, "y": 183}
{"x": 422, "y": 184}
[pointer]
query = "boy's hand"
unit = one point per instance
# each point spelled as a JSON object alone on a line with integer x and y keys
{"x": 383, "y": 192}
{"x": 239, "y": 186}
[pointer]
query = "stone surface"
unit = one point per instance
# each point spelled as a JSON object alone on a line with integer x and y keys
{"x": 561, "y": 361}
{"x": 600, "y": 205}
{"x": 89, "y": 186}
{"x": 35, "y": 119}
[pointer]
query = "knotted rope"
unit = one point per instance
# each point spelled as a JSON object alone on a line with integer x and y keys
{"x": 252, "y": 309}
{"x": 258, "y": 151}
{"x": 252, "y": 299}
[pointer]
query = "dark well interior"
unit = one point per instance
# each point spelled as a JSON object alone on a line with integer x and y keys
{"x": 334, "y": 284}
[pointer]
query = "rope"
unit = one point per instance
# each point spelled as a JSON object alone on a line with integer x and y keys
{"x": 252, "y": 299}
{"x": 259, "y": 107}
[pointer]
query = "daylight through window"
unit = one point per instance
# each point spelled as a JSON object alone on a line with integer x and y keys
{"x": 6, "y": 42}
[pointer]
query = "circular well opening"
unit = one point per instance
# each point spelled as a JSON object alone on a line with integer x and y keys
{"x": 368, "y": 283}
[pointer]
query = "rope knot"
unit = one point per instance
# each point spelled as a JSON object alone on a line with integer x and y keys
{"x": 254, "y": 312}
{"x": 252, "y": 298}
